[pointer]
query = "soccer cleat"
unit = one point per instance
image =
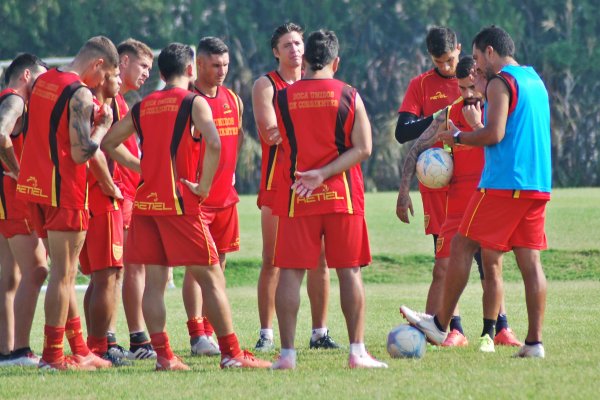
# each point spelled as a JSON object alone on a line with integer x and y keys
{"x": 284, "y": 363}
{"x": 365, "y": 361}
{"x": 118, "y": 351}
{"x": 116, "y": 361}
{"x": 455, "y": 339}
{"x": 506, "y": 337}
{"x": 141, "y": 352}
{"x": 324, "y": 342}
{"x": 65, "y": 364}
{"x": 174, "y": 364}
{"x": 531, "y": 351}
{"x": 244, "y": 360}
{"x": 5, "y": 360}
{"x": 264, "y": 344}
{"x": 24, "y": 358}
{"x": 91, "y": 360}
{"x": 201, "y": 346}
{"x": 486, "y": 344}
{"x": 424, "y": 323}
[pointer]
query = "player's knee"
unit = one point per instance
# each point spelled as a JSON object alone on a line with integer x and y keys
{"x": 9, "y": 282}
{"x": 439, "y": 272}
{"x": 38, "y": 275}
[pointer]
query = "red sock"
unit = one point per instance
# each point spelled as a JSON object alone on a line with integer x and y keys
{"x": 208, "y": 328}
{"x": 229, "y": 345}
{"x": 196, "y": 327}
{"x": 97, "y": 345}
{"x": 160, "y": 342}
{"x": 75, "y": 336}
{"x": 53, "y": 344}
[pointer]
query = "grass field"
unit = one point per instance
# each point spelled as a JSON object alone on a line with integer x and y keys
{"x": 399, "y": 274}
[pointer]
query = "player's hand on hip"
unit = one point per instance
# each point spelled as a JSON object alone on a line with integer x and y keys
{"x": 196, "y": 189}
{"x": 111, "y": 191}
{"x": 403, "y": 205}
{"x": 306, "y": 182}
{"x": 11, "y": 175}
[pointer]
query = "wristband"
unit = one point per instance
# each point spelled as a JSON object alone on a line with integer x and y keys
{"x": 457, "y": 137}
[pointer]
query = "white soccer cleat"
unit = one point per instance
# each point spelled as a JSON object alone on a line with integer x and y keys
{"x": 424, "y": 323}
{"x": 365, "y": 361}
{"x": 531, "y": 351}
{"x": 284, "y": 363}
{"x": 202, "y": 346}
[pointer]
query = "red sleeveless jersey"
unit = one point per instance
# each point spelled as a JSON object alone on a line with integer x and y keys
{"x": 270, "y": 154}
{"x": 126, "y": 179}
{"x": 99, "y": 202}
{"x": 169, "y": 153}
{"x": 9, "y": 209}
{"x": 226, "y": 115}
{"x": 315, "y": 118}
{"x": 468, "y": 160}
{"x": 48, "y": 173}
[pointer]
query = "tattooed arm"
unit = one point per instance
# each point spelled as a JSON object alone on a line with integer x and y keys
{"x": 427, "y": 138}
{"x": 85, "y": 139}
{"x": 11, "y": 111}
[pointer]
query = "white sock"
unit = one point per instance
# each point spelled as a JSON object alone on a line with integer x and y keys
{"x": 318, "y": 333}
{"x": 268, "y": 333}
{"x": 358, "y": 349}
{"x": 287, "y": 353}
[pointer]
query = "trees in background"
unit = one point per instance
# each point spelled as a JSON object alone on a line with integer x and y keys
{"x": 382, "y": 48}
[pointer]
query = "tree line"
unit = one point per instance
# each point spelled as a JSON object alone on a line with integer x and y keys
{"x": 382, "y": 48}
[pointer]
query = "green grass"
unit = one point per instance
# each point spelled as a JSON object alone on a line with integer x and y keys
{"x": 400, "y": 273}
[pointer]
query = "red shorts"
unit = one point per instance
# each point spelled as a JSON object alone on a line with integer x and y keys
{"x": 434, "y": 210}
{"x": 13, "y": 227}
{"x": 298, "y": 243}
{"x": 103, "y": 247}
{"x": 266, "y": 198}
{"x": 458, "y": 200}
{"x": 224, "y": 227}
{"x": 502, "y": 223}
{"x": 126, "y": 209}
{"x": 46, "y": 218}
{"x": 170, "y": 240}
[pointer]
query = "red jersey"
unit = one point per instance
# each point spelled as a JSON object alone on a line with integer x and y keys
{"x": 226, "y": 115}
{"x": 99, "y": 202}
{"x": 315, "y": 118}
{"x": 48, "y": 173}
{"x": 426, "y": 94}
{"x": 9, "y": 209}
{"x": 169, "y": 153}
{"x": 270, "y": 154}
{"x": 126, "y": 179}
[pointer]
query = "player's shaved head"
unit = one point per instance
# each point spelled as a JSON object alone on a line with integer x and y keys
{"x": 135, "y": 48}
{"x": 21, "y": 63}
{"x": 321, "y": 49}
{"x": 173, "y": 60}
{"x": 100, "y": 47}
{"x": 212, "y": 45}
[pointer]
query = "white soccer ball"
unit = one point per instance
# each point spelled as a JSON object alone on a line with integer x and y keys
{"x": 434, "y": 168}
{"x": 405, "y": 341}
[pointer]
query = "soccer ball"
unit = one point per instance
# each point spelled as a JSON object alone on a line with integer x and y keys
{"x": 404, "y": 341}
{"x": 434, "y": 168}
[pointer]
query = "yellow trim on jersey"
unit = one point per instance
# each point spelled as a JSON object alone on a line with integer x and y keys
{"x": 54, "y": 204}
{"x": 348, "y": 198}
{"x": 272, "y": 171}
{"x": 2, "y": 212}
{"x": 237, "y": 105}
{"x": 516, "y": 194}
{"x": 174, "y": 188}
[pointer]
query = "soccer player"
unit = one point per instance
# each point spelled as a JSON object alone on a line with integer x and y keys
{"x": 23, "y": 266}
{"x": 468, "y": 164}
{"x": 102, "y": 254}
{"x": 220, "y": 207}
{"x": 508, "y": 211}
{"x": 135, "y": 63}
{"x": 288, "y": 47}
{"x": 60, "y": 140}
{"x": 167, "y": 226}
{"x": 325, "y": 135}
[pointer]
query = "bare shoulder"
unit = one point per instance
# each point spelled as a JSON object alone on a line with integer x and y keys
{"x": 261, "y": 85}
{"x": 13, "y": 103}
